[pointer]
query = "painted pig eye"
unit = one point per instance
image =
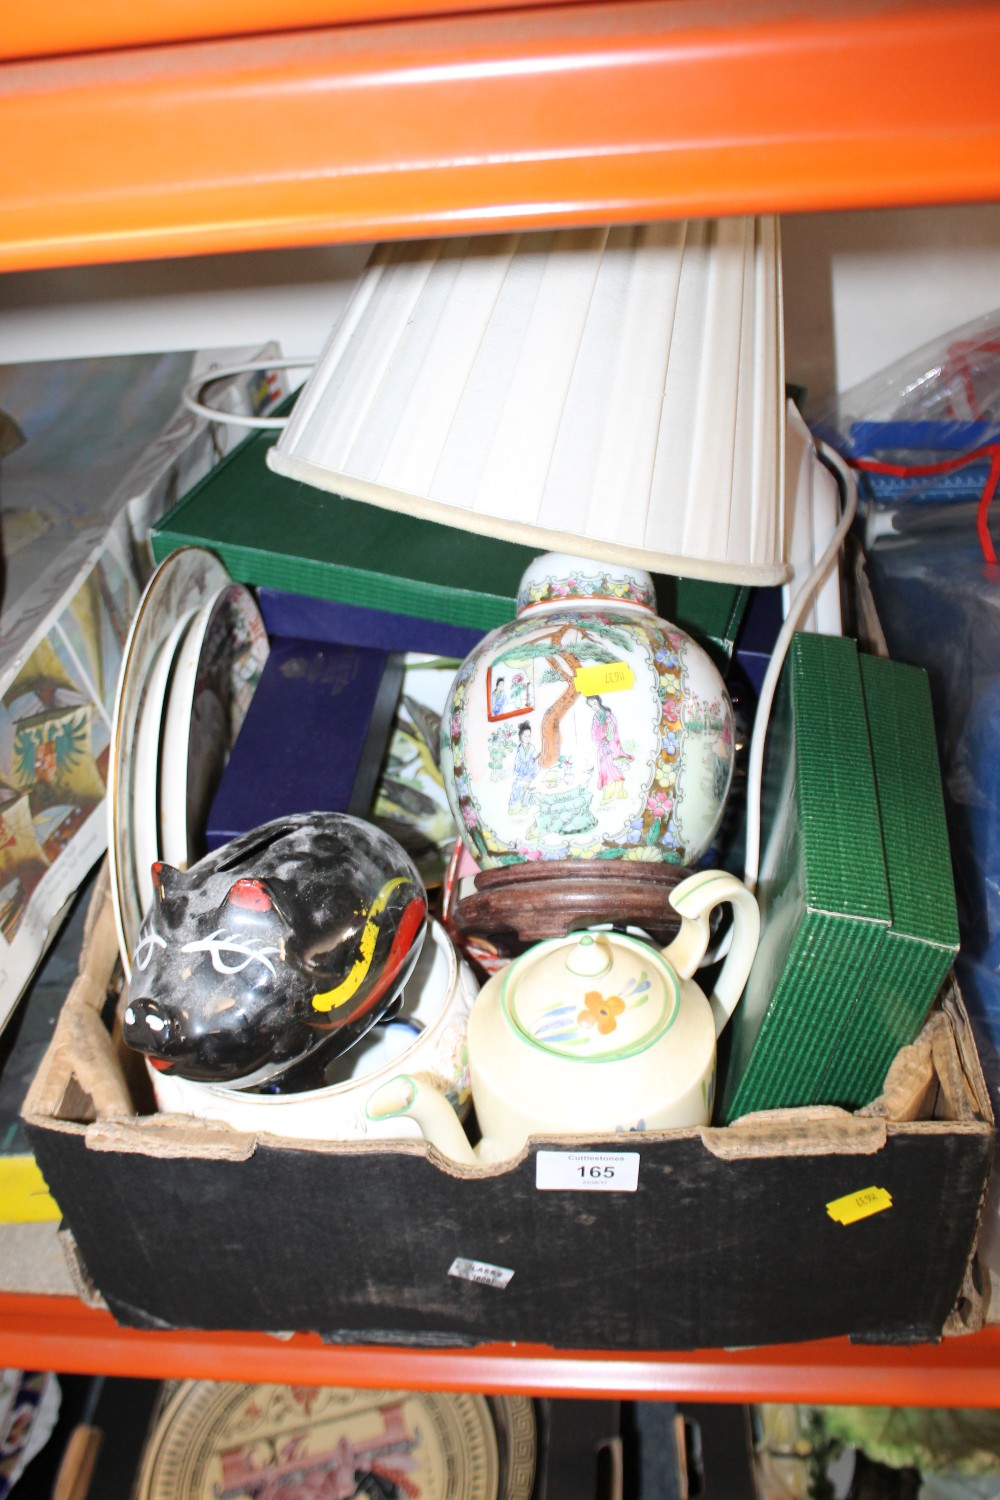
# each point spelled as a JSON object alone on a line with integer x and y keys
{"x": 144, "y": 948}
{"x": 251, "y": 950}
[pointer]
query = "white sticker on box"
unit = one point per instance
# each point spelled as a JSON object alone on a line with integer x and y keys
{"x": 480, "y": 1271}
{"x": 587, "y": 1171}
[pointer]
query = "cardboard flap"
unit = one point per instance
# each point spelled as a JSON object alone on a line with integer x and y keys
{"x": 911, "y": 1085}
{"x": 958, "y": 1101}
{"x": 99, "y": 951}
{"x": 937, "y": 1077}
{"x": 171, "y": 1137}
{"x": 81, "y": 1062}
{"x": 819, "y": 1131}
{"x": 974, "y": 1088}
{"x": 78, "y": 1273}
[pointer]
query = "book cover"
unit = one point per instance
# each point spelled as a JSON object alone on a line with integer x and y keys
{"x": 329, "y": 620}
{"x": 313, "y": 739}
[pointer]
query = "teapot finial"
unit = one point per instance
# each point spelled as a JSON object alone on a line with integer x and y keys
{"x": 590, "y": 957}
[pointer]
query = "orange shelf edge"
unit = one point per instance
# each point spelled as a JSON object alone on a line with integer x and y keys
{"x": 550, "y": 115}
{"x": 60, "y": 1333}
{"x": 71, "y": 26}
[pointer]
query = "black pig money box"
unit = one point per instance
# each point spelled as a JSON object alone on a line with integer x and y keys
{"x": 274, "y": 953}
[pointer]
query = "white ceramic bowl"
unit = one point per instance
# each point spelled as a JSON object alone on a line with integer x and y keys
{"x": 437, "y": 999}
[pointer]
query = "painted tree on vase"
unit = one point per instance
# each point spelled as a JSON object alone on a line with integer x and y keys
{"x": 565, "y": 646}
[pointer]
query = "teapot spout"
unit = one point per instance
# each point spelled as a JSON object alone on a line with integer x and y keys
{"x": 417, "y": 1097}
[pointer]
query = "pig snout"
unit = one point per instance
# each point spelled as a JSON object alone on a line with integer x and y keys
{"x": 146, "y": 1028}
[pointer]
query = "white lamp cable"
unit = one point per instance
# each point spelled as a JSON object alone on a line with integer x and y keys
{"x": 797, "y": 608}
{"x": 191, "y": 396}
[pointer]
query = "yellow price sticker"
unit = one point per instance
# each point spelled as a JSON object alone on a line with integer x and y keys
{"x": 855, "y": 1206}
{"x": 603, "y": 677}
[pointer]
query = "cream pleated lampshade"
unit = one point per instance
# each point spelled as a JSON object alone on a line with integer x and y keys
{"x": 613, "y": 392}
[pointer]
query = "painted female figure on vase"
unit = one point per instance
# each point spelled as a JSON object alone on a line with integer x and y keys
{"x": 611, "y": 757}
{"x": 522, "y": 791}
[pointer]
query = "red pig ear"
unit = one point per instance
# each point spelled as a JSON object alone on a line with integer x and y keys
{"x": 250, "y": 895}
{"x": 165, "y": 878}
{"x": 253, "y": 898}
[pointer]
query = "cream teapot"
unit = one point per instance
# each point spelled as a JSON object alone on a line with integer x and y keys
{"x": 592, "y": 1033}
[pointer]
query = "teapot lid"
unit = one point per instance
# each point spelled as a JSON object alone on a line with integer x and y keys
{"x": 557, "y": 580}
{"x": 593, "y": 996}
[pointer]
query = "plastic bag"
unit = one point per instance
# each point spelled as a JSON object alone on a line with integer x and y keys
{"x": 924, "y": 439}
{"x": 938, "y": 596}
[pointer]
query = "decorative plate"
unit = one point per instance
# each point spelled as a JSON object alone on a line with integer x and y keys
{"x": 182, "y": 582}
{"x": 300, "y": 1442}
{"x": 217, "y": 671}
{"x": 147, "y": 844}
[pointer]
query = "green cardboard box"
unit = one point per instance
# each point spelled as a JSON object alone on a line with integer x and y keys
{"x": 277, "y": 532}
{"x": 822, "y": 886}
{"x": 920, "y": 946}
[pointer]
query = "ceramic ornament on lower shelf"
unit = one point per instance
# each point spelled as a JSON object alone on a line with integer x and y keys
{"x": 587, "y": 728}
{"x": 275, "y": 952}
{"x": 213, "y": 1439}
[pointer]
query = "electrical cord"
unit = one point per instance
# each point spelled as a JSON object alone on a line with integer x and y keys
{"x": 191, "y": 396}
{"x": 755, "y": 764}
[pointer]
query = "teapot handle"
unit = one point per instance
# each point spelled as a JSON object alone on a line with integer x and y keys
{"x": 694, "y": 899}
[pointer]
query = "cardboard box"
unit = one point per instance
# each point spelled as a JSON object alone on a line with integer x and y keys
{"x": 728, "y": 1239}
{"x": 276, "y": 532}
{"x": 822, "y": 889}
{"x": 922, "y": 941}
{"x": 858, "y": 920}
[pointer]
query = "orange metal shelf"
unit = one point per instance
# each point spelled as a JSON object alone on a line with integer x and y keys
{"x": 66, "y": 26}
{"x": 547, "y": 115}
{"x": 401, "y": 123}
{"x": 60, "y": 1333}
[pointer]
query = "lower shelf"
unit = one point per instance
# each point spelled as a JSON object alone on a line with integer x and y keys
{"x": 61, "y": 1333}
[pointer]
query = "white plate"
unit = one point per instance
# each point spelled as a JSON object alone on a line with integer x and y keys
{"x": 181, "y": 583}
{"x": 215, "y": 675}
{"x": 146, "y": 838}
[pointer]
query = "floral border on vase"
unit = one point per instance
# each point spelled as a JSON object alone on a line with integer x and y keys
{"x": 559, "y": 590}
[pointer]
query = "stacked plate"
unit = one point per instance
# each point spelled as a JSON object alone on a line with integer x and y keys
{"x": 192, "y": 661}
